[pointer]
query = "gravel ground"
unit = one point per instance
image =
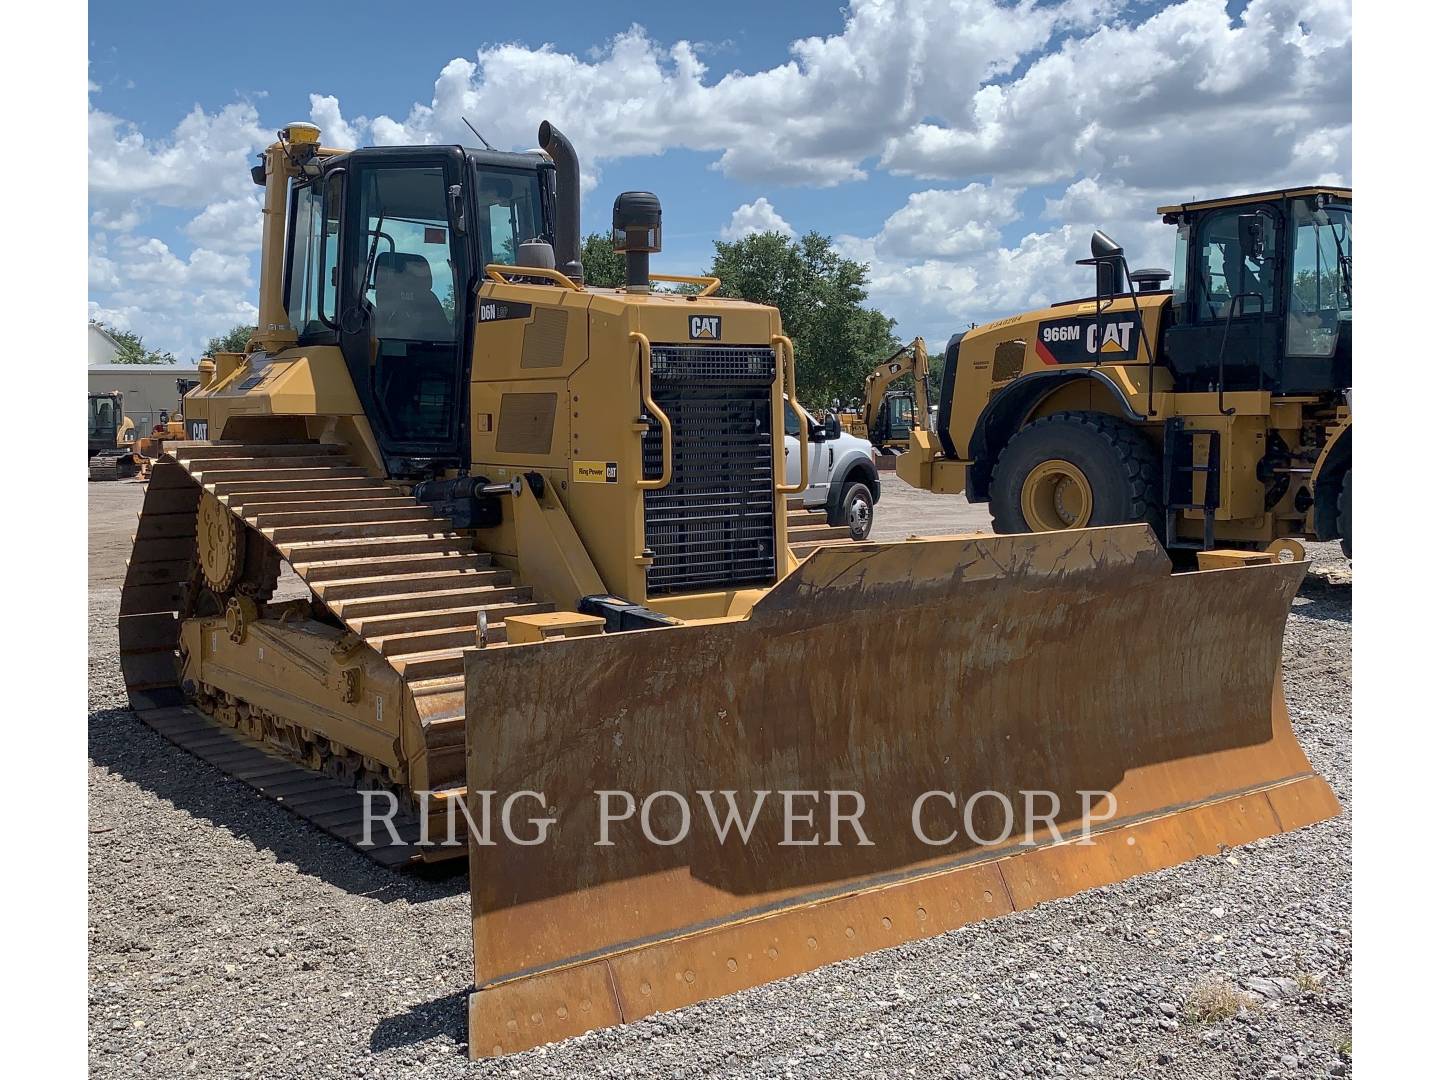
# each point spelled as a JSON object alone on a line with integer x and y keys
{"x": 229, "y": 939}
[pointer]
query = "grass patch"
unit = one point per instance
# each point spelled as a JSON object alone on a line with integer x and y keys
{"x": 1215, "y": 1000}
{"x": 1311, "y": 982}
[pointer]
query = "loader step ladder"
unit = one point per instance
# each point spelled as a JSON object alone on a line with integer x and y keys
{"x": 1179, "y": 488}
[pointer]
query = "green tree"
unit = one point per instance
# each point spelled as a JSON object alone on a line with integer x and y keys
{"x": 233, "y": 340}
{"x": 821, "y": 299}
{"x": 604, "y": 266}
{"x": 132, "y": 347}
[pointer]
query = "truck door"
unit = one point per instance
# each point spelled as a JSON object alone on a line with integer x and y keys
{"x": 821, "y": 459}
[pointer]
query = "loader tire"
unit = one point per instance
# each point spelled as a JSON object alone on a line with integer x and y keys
{"x": 1344, "y": 522}
{"x": 1074, "y": 470}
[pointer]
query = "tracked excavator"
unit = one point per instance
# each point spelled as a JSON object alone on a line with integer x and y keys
{"x": 111, "y": 438}
{"x": 538, "y": 534}
{"x": 886, "y": 417}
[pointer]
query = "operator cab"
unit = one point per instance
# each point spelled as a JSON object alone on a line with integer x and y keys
{"x": 387, "y": 247}
{"x": 1262, "y": 285}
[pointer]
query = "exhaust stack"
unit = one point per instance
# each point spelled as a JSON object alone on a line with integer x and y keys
{"x": 567, "y": 208}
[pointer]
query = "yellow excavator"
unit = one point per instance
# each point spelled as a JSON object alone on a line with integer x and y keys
{"x": 886, "y": 416}
{"x": 111, "y": 441}
{"x": 1216, "y": 410}
{"x": 549, "y": 607}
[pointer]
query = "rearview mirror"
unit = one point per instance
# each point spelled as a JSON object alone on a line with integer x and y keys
{"x": 832, "y": 426}
{"x": 455, "y": 204}
{"x": 1252, "y": 236}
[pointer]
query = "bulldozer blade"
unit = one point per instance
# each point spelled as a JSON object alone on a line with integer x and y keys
{"x": 939, "y": 680}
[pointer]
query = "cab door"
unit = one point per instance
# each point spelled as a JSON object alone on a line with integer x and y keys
{"x": 402, "y": 325}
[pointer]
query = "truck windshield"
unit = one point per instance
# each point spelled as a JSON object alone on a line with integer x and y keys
{"x": 1320, "y": 281}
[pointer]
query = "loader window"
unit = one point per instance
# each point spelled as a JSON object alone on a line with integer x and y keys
{"x": 1319, "y": 278}
{"x": 1178, "y": 293}
{"x": 1227, "y": 270}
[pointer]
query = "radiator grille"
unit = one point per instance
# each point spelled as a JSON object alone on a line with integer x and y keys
{"x": 713, "y": 525}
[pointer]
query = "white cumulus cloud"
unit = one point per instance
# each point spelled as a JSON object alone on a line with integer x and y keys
{"x": 755, "y": 217}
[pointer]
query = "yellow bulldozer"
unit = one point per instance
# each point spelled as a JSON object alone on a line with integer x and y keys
{"x": 548, "y": 596}
{"x": 1216, "y": 410}
{"x": 886, "y": 416}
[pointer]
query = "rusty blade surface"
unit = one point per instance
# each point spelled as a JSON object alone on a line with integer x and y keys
{"x": 1066, "y": 662}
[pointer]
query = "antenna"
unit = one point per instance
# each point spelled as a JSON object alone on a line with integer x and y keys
{"x": 477, "y": 134}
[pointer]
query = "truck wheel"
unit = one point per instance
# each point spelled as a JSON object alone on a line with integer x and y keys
{"x": 1071, "y": 470}
{"x": 1344, "y": 523}
{"x": 858, "y": 506}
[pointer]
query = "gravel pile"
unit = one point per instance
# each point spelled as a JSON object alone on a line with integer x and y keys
{"x": 229, "y": 939}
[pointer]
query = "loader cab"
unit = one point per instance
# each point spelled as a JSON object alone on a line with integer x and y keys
{"x": 1261, "y": 292}
{"x": 387, "y": 246}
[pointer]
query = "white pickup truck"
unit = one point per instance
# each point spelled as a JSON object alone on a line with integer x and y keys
{"x": 843, "y": 479}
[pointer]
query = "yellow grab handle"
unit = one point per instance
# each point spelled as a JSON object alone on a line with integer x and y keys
{"x": 710, "y": 283}
{"x": 782, "y": 344}
{"x": 654, "y": 410}
{"x": 498, "y": 272}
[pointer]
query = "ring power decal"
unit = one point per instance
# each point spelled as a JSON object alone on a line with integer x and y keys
{"x": 595, "y": 472}
{"x": 1088, "y": 340}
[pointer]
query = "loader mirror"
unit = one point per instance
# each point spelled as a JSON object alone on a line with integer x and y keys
{"x": 1108, "y": 257}
{"x": 1252, "y": 237}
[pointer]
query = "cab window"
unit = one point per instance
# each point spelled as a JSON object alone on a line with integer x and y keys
{"x": 1227, "y": 269}
{"x": 1320, "y": 278}
{"x": 509, "y": 214}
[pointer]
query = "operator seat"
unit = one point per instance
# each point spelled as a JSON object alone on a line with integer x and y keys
{"x": 405, "y": 305}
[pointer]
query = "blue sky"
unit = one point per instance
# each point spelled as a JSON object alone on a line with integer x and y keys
{"x": 965, "y": 148}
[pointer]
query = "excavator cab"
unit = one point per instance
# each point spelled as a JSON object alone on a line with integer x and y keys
{"x": 104, "y": 422}
{"x": 896, "y": 419}
{"x": 386, "y": 249}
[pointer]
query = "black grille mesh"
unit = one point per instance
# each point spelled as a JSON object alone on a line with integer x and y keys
{"x": 713, "y": 525}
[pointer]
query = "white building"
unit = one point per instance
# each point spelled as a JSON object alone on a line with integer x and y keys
{"x": 103, "y": 348}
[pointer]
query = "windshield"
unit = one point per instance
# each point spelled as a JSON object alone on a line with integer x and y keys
{"x": 1320, "y": 282}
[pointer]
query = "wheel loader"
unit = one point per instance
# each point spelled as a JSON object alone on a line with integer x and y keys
{"x": 1215, "y": 409}
{"x": 549, "y": 615}
{"x": 111, "y": 438}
